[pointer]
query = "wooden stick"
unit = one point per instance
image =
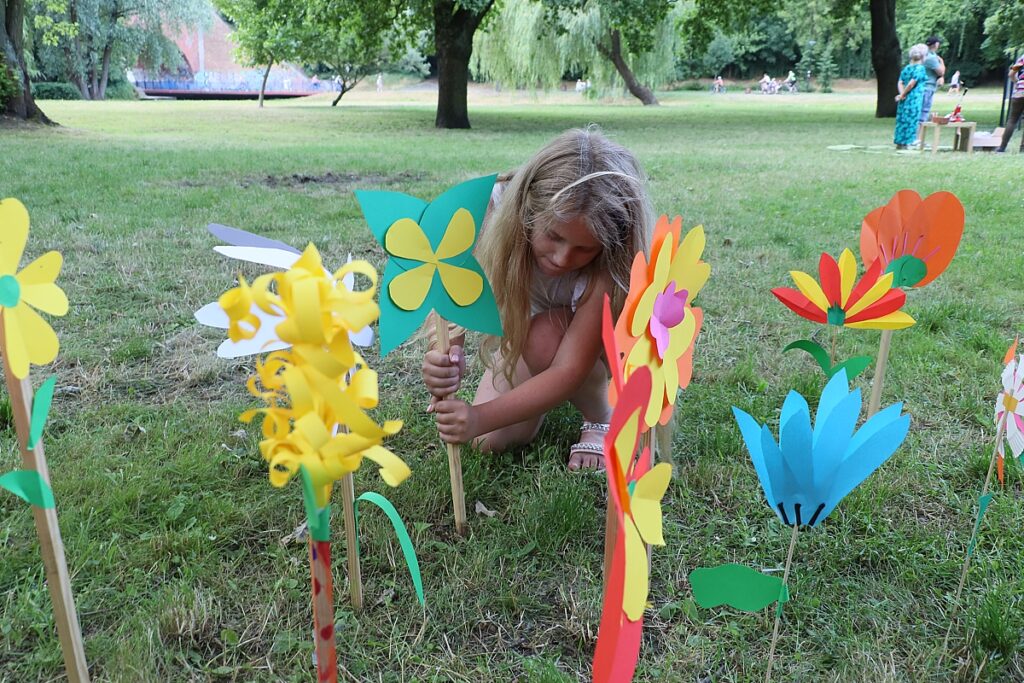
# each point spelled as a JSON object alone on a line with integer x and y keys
{"x": 1000, "y": 431}
{"x": 454, "y": 450}
{"x": 355, "y": 573}
{"x": 778, "y": 611}
{"x": 323, "y": 611}
{"x": 879, "y": 379}
{"x": 51, "y": 545}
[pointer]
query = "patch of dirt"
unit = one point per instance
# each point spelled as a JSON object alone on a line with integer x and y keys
{"x": 330, "y": 178}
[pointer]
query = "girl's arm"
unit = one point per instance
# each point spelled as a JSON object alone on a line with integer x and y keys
{"x": 575, "y": 358}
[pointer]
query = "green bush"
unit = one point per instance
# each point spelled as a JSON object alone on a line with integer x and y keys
{"x": 121, "y": 90}
{"x": 55, "y": 91}
{"x": 9, "y": 86}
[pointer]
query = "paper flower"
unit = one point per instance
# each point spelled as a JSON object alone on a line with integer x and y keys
{"x": 28, "y": 338}
{"x": 431, "y": 264}
{"x": 245, "y": 246}
{"x": 658, "y": 325}
{"x": 636, "y": 488}
{"x": 1010, "y": 408}
{"x": 914, "y": 239}
{"x": 811, "y": 469}
{"x": 872, "y": 303}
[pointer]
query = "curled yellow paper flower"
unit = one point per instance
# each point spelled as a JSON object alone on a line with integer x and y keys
{"x": 29, "y": 339}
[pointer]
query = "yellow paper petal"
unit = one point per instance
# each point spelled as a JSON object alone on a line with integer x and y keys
{"x": 46, "y": 268}
{"x": 459, "y": 235}
{"x": 362, "y": 388}
{"x": 625, "y": 442}
{"x": 463, "y": 285}
{"x": 409, "y": 289}
{"x": 658, "y": 397}
{"x": 847, "y": 275}
{"x": 893, "y": 321}
{"x": 646, "y": 502}
{"x": 310, "y": 261}
{"x": 688, "y": 271}
{"x": 307, "y": 314}
{"x": 659, "y": 280}
{"x": 13, "y": 234}
{"x": 363, "y": 268}
{"x": 30, "y": 339}
{"x": 47, "y": 297}
{"x": 877, "y": 291}
{"x": 634, "y": 597}
{"x": 810, "y": 288}
{"x": 392, "y": 469}
{"x": 406, "y": 239}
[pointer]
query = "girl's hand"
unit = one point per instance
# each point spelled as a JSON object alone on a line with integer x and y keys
{"x": 442, "y": 373}
{"x": 456, "y": 421}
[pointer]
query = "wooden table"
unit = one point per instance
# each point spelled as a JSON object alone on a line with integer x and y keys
{"x": 963, "y": 140}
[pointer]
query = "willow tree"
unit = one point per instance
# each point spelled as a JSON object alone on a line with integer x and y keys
{"x": 533, "y": 44}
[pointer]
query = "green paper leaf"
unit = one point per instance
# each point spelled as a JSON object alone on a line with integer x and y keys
{"x": 382, "y": 209}
{"x": 30, "y": 487}
{"x": 40, "y": 411}
{"x": 403, "y": 537}
{"x": 317, "y": 519}
{"x": 907, "y": 271}
{"x": 853, "y": 366}
{"x": 817, "y": 352}
{"x": 983, "y": 502}
{"x": 737, "y": 586}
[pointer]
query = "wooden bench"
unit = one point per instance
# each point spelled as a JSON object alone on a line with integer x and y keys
{"x": 963, "y": 140}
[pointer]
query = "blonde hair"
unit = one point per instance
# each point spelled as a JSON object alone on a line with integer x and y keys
{"x": 581, "y": 173}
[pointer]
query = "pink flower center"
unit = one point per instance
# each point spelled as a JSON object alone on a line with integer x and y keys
{"x": 669, "y": 311}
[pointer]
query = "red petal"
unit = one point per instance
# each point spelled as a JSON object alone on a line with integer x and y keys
{"x": 828, "y": 273}
{"x": 867, "y": 281}
{"x": 890, "y": 302}
{"x": 800, "y": 304}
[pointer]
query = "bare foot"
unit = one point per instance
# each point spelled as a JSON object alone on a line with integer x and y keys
{"x": 588, "y": 454}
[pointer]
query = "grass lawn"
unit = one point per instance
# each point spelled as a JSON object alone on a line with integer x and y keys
{"x": 173, "y": 533}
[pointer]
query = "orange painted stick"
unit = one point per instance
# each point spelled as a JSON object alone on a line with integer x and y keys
{"x": 323, "y": 611}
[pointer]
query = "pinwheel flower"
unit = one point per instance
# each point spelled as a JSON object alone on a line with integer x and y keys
{"x": 658, "y": 325}
{"x": 636, "y": 488}
{"x": 811, "y": 469}
{"x": 431, "y": 264}
{"x": 872, "y": 303}
{"x": 28, "y": 338}
{"x": 914, "y": 239}
{"x": 1010, "y": 404}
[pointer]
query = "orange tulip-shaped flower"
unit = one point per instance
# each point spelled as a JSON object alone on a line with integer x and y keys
{"x": 914, "y": 239}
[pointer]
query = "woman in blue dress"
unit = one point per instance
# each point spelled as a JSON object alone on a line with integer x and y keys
{"x": 911, "y": 88}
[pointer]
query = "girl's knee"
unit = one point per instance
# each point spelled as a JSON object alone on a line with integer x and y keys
{"x": 545, "y": 335}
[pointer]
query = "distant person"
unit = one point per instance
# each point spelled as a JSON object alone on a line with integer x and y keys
{"x": 580, "y": 85}
{"x": 935, "y": 69}
{"x": 765, "y": 82}
{"x": 1016, "y": 105}
{"x": 954, "y": 82}
{"x": 911, "y": 94}
{"x": 719, "y": 86}
{"x": 790, "y": 81}
{"x": 380, "y": 82}
{"x": 773, "y": 86}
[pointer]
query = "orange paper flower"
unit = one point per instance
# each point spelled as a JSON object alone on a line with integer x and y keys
{"x": 871, "y": 304}
{"x": 914, "y": 239}
{"x": 658, "y": 325}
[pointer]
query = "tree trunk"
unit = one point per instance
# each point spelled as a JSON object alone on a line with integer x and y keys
{"x": 635, "y": 87}
{"x": 885, "y": 56}
{"x": 12, "y": 56}
{"x": 263, "y": 85}
{"x": 454, "y": 26}
{"x": 105, "y": 73}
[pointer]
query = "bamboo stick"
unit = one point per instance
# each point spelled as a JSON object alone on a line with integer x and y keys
{"x": 454, "y": 450}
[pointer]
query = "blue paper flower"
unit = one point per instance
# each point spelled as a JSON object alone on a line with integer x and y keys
{"x": 811, "y": 469}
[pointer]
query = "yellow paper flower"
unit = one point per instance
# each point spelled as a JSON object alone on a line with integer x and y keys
{"x": 28, "y": 338}
{"x": 407, "y": 240}
{"x": 658, "y": 325}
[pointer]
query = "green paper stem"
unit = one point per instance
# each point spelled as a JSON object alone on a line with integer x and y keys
{"x": 40, "y": 411}
{"x": 317, "y": 519}
{"x": 983, "y": 503}
{"x": 853, "y": 366}
{"x": 30, "y": 486}
{"x": 403, "y": 537}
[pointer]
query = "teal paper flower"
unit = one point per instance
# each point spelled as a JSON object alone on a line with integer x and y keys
{"x": 431, "y": 264}
{"x": 811, "y": 469}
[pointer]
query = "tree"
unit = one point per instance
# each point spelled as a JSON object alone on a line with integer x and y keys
{"x": 886, "y": 56}
{"x": 15, "y": 88}
{"x": 530, "y": 45}
{"x": 97, "y": 37}
{"x": 265, "y": 32}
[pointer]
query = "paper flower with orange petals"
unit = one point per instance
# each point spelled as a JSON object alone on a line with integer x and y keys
{"x": 914, "y": 239}
{"x": 659, "y": 325}
{"x": 873, "y": 303}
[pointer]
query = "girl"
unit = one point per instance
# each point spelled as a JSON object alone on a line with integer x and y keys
{"x": 560, "y": 234}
